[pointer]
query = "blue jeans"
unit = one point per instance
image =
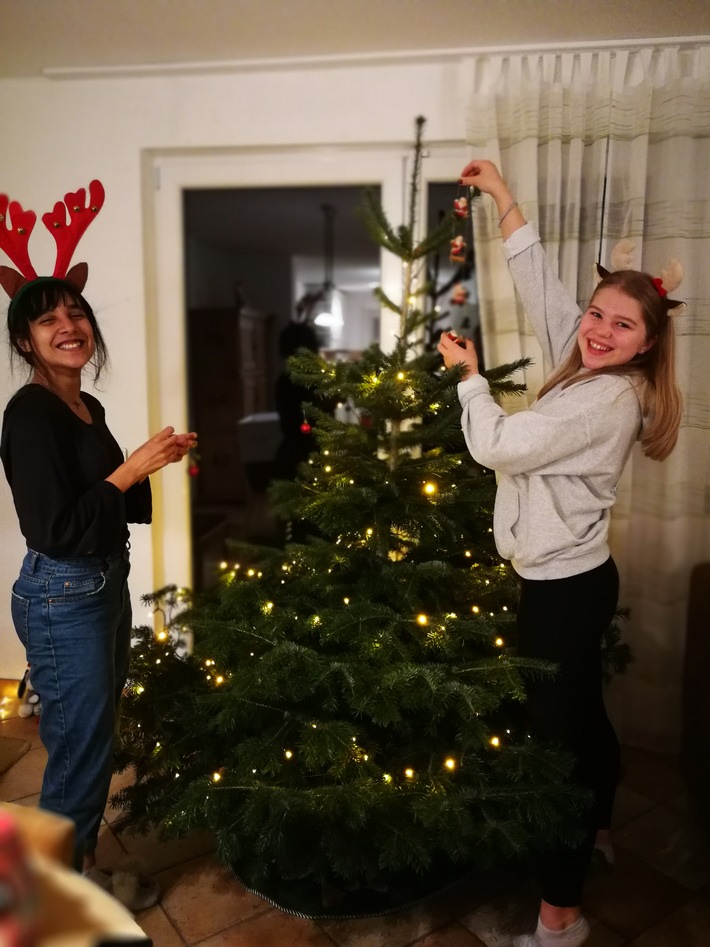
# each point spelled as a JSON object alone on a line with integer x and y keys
{"x": 73, "y": 616}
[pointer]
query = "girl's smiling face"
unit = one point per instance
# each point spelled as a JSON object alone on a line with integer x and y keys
{"x": 612, "y": 330}
{"x": 61, "y": 339}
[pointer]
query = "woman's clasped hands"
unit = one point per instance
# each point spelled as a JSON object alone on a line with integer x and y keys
{"x": 165, "y": 447}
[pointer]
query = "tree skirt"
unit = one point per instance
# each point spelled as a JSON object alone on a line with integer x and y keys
{"x": 11, "y": 750}
{"x": 307, "y": 899}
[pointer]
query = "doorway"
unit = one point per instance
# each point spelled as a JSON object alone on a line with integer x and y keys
{"x": 251, "y": 256}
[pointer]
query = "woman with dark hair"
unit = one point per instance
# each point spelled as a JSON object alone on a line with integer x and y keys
{"x": 558, "y": 465}
{"x": 74, "y": 494}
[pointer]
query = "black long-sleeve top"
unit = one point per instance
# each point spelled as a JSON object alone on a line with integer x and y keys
{"x": 56, "y": 465}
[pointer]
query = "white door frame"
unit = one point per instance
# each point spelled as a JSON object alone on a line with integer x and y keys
{"x": 165, "y": 176}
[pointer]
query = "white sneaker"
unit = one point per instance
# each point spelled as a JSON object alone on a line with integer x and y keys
{"x": 573, "y": 936}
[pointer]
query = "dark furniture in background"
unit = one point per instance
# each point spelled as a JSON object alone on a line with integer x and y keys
{"x": 695, "y": 744}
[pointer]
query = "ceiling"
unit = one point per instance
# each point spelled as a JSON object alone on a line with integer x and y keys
{"x": 54, "y": 36}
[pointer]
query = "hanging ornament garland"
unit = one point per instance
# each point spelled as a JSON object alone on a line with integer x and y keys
{"x": 461, "y": 209}
{"x": 457, "y": 253}
{"x": 462, "y": 212}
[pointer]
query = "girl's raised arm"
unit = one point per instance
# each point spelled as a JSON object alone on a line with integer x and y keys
{"x": 487, "y": 178}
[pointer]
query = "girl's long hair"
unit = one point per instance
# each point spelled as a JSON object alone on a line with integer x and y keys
{"x": 652, "y": 372}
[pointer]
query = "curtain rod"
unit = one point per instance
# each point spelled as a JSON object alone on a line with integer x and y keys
{"x": 357, "y": 59}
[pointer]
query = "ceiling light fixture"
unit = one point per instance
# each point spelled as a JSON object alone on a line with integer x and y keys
{"x": 328, "y": 311}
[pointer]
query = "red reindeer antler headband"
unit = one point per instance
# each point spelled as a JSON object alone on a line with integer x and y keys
{"x": 14, "y": 240}
{"x": 670, "y": 279}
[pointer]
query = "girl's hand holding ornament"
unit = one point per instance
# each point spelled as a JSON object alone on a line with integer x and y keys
{"x": 456, "y": 350}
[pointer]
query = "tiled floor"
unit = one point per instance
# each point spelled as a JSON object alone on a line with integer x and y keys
{"x": 658, "y": 894}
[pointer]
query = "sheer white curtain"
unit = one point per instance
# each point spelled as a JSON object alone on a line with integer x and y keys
{"x": 600, "y": 146}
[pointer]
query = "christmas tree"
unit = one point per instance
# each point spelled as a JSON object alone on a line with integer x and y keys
{"x": 349, "y": 715}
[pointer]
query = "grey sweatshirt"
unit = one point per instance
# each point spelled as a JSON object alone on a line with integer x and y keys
{"x": 559, "y": 462}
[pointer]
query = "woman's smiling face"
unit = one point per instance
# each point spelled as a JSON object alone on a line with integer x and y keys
{"x": 612, "y": 330}
{"x": 62, "y": 339}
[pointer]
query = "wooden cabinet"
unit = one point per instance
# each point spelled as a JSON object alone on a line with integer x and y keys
{"x": 229, "y": 378}
{"x": 695, "y": 742}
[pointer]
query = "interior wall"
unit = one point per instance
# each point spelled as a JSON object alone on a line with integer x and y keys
{"x": 66, "y": 132}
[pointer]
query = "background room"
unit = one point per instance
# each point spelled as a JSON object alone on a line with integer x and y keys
{"x": 257, "y": 260}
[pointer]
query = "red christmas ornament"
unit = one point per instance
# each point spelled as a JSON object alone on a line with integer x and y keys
{"x": 193, "y": 470}
{"x": 306, "y": 428}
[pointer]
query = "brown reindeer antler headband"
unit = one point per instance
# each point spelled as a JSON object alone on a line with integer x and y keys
{"x": 670, "y": 279}
{"x": 14, "y": 240}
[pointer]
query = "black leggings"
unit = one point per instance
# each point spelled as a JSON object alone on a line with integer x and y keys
{"x": 563, "y": 620}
